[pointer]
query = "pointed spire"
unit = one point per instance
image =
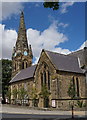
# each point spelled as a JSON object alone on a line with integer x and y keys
{"x": 22, "y": 23}
{"x": 22, "y": 43}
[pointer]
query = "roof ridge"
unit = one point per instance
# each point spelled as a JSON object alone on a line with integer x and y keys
{"x": 55, "y": 52}
{"x": 79, "y": 50}
{"x": 61, "y": 54}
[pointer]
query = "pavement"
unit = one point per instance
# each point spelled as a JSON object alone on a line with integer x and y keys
{"x": 26, "y": 110}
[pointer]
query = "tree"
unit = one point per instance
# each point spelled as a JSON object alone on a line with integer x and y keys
{"x": 45, "y": 95}
{"x": 44, "y": 92}
{"x": 22, "y": 93}
{"x": 71, "y": 90}
{"x": 34, "y": 96}
{"x": 72, "y": 93}
{"x": 15, "y": 93}
{"x": 8, "y": 94}
{"x": 53, "y": 5}
{"x": 80, "y": 104}
{"x": 6, "y": 76}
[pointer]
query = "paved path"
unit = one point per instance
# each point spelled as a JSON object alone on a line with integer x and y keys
{"x": 24, "y": 110}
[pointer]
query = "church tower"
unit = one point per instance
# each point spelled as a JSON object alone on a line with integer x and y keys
{"x": 22, "y": 53}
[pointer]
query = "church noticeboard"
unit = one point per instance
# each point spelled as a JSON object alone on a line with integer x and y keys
{"x": 53, "y": 103}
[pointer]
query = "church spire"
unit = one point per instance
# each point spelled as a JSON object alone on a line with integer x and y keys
{"x": 22, "y": 53}
{"x": 22, "y": 43}
{"x": 22, "y": 23}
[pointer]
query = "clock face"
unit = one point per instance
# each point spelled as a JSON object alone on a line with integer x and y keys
{"x": 25, "y": 53}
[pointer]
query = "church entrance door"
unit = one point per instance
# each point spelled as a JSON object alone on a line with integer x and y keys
{"x": 46, "y": 102}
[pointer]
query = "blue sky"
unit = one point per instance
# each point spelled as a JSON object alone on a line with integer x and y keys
{"x": 68, "y": 22}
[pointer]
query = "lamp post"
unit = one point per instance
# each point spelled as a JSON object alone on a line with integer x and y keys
{"x": 72, "y": 112}
{"x": 72, "y": 107}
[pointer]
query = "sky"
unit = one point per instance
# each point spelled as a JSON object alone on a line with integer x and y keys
{"x": 61, "y": 31}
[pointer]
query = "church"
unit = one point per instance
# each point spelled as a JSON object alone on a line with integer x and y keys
{"x": 50, "y": 82}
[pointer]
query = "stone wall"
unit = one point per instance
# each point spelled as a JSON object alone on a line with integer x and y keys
{"x": 59, "y": 82}
{"x": 44, "y": 64}
{"x": 27, "y": 84}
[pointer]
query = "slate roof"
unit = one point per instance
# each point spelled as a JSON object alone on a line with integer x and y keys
{"x": 60, "y": 61}
{"x": 82, "y": 55}
{"x": 65, "y": 63}
{"x": 24, "y": 74}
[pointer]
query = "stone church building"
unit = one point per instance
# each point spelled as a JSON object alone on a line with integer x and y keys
{"x": 52, "y": 75}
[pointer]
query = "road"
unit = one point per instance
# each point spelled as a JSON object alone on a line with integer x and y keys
{"x": 6, "y": 116}
{"x": 27, "y": 116}
{"x": 22, "y": 113}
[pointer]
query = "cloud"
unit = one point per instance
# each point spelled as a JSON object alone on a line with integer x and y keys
{"x": 63, "y": 25}
{"x": 60, "y": 24}
{"x": 36, "y": 60}
{"x": 83, "y": 45}
{"x": 62, "y": 51}
{"x": 8, "y": 41}
{"x": 9, "y": 9}
{"x": 47, "y": 39}
{"x": 65, "y": 6}
{"x": 1, "y": 27}
{"x": 37, "y": 5}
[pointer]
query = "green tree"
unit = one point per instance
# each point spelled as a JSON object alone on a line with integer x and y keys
{"x": 15, "y": 93}
{"x": 72, "y": 93}
{"x": 71, "y": 90}
{"x": 8, "y": 94}
{"x": 34, "y": 96}
{"x": 44, "y": 92}
{"x": 53, "y": 5}
{"x": 22, "y": 93}
{"x": 6, "y": 76}
{"x": 80, "y": 104}
{"x": 45, "y": 95}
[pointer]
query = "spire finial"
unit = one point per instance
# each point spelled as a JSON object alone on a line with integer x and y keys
{"x": 22, "y": 13}
{"x": 22, "y": 23}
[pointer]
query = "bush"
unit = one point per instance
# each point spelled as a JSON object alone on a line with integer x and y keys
{"x": 80, "y": 104}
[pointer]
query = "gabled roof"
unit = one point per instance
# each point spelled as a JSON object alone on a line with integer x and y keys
{"x": 24, "y": 74}
{"x": 60, "y": 61}
{"x": 64, "y": 63}
{"x": 82, "y": 55}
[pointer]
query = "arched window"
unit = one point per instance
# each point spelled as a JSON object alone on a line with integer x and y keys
{"x": 22, "y": 65}
{"x": 26, "y": 65}
{"x": 73, "y": 82}
{"x": 77, "y": 86}
{"x": 44, "y": 78}
{"x": 15, "y": 66}
{"x": 41, "y": 79}
{"x": 48, "y": 80}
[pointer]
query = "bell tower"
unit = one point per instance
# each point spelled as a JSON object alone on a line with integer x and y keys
{"x": 22, "y": 53}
